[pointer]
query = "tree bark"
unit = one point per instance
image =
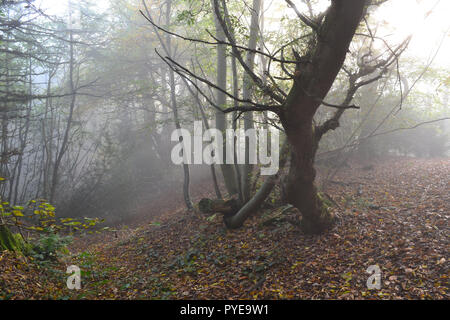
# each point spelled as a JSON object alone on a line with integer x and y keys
{"x": 246, "y": 95}
{"x": 173, "y": 103}
{"x": 228, "y": 172}
{"x": 313, "y": 82}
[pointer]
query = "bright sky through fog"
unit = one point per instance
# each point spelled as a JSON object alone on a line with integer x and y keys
{"x": 427, "y": 27}
{"x": 404, "y": 16}
{"x": 58, "y": 7}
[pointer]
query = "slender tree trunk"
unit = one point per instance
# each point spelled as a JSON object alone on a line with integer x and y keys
{"x": 206, "y": 124}
{"x": 47, "y": 151}
{"x": 228, "y": 171}
{"x": 4, "y": 150}
{"x": 235, "y": 125}
{"x": 64, "y": 144}
{"x": 187, "y": 198}
{"x": 246, "y": 95}
{"x": 173, "y": 102}
{"x": 167, "y": 127}
{"x": 24, "y": 139}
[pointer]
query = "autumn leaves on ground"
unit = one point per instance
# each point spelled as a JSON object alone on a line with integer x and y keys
{"x": 393, "y": 214}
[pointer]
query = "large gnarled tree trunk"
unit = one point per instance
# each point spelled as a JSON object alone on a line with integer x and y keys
{"x": 313, "y": 82}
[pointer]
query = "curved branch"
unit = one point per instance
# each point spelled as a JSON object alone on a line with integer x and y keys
{"x": 253, "y": 106}
{"x": 302, "y": 17}
{"x": 257, "y": 200}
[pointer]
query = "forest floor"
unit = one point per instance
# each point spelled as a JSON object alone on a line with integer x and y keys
{"x": 393, "y": 215}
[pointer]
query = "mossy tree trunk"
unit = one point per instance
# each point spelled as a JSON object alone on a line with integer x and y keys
{"x": 8, "y": 241}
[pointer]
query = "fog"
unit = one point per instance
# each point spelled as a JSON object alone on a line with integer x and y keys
{"x": 91, "y": 93}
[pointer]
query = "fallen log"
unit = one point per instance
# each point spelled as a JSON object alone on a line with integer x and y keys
{"x": 227, "y": 207}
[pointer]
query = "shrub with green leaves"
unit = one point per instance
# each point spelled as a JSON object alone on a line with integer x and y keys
{"x": 39, "y": 218}
{"x": 50, "y": 247}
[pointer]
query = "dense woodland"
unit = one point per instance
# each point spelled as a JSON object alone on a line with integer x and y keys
{"x": 91, "y": 93}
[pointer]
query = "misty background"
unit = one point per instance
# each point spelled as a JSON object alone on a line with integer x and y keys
{"x": 85, "y": 107}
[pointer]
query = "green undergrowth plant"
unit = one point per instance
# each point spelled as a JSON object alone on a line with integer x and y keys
{"x": 47, "y": 236}
{"x": 49, "y": 247}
